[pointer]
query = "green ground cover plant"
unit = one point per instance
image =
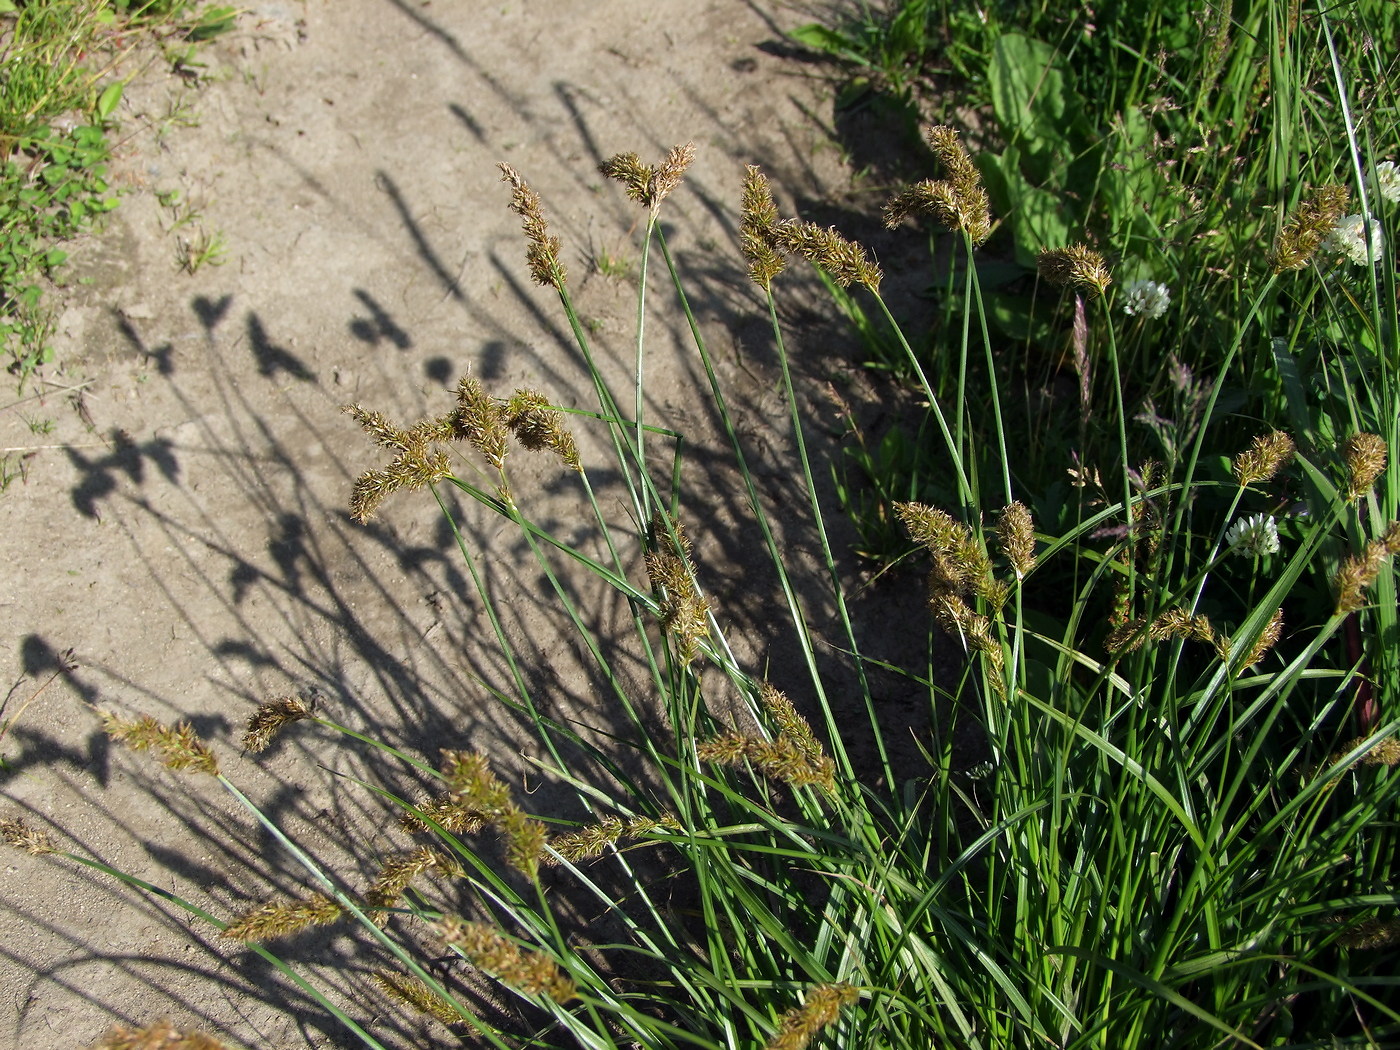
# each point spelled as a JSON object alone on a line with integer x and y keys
{"x": 1155, "y": 805}
{"x": 59, "y": 90}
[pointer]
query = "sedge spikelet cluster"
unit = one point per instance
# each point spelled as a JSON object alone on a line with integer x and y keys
{"x": 537, "y": 427}
{"x": 646, "y": 184}
{"x": 791, "y": 725}
{"x": 1078, "y": 267}
{"x": 684, "y": 611}
{"x": 542, "y": 254}
{"x": 449, "y": 811}
{"x": 1358, "y": 572}
{"x": 1196, "y": 627}
{"x": 782, "y": 759}
{"x": 591, "y": 840}
{"x": 415, "y": 465}
{"x": 1384, "y": 752}
{"x": 798, "y": 1027}
{"x": 758, "y": 229}
{"x": 268, "y": 719}
{"x": 531, "y": 972}
{"x": 412, "y": 992}
{"x": 1307, "y": 228}
{"x": 1126, "y": 636}
{"x": 1371, "y": 933}
{"x": 960, "y": 563}
{"x": 1016, "y": 531}
{"x": 1266, "y": 456}
{"x": 15, "y": 832}
{"x": 1365, "y": 456}
{"x": 469, "y": 776}
{"x": 844, "y": 261}
{"x": 162, "y": 1035}
{"x": 1267, "y": 639}
{"x": 400, "y": 870}
{"x": 958, "y": 202}
{"x": 481, "y": 420}
{"x": 281, "y": 918}
{"x": 177, "y": 747}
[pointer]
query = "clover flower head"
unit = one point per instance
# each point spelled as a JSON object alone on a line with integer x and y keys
{"x": 1349, "y": 238}
{"x": 1387, "y": 182}
{"x": 1148, "y": 299}
{"x": 1253, "y": 536}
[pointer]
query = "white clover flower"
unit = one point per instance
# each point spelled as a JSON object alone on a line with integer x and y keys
{"x": 1349, "y": 239}
{"x": 1387, "y": 182}
{"x": 1253, "y": 536}
{"x": 1147, "y": 298}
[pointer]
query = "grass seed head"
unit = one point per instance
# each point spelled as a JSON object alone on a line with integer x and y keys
{"x": 1360, "y": 571}
{"x": 531, "y": 972}
{"x": 783, "y": 759}
{"x": 282, "y": 918}
{"x": 648, "y": 185}
{"x": 1267, "y": 639}
{"x": 161, "y": 1035}
{"x": 400, "y": 870}
{"x": 542, "y": 253}
{"x": 1265, "y": 457}
{"x": 758, "y": 229}
{"x": 798, "y": 1027}
{"x": 412, "y": 992}
{"x": 1308, "y": 227}
{"x": 177, "y": 747}
{"x": 416, "y": 465}
{"x": 1371, "y": 933}
{"x": 1016, "y": 531}
{"x": 1078, "y": 267}
{"x": 592, "y": 839}
{"x": 448, "y": 811}
{"x": 15, "y": 832}
{"x": 481, "y": 420}
{"x": 268, "y": 719}
{"x": 1365, "y": 458}
{"x": 537, "y": 427}
{"x": 845, "y": 261}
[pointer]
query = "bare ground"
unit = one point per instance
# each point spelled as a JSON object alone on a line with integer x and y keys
{"x": 186, "y": 532}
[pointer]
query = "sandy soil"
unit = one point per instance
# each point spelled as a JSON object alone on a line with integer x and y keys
{"x": 190, "y": 541}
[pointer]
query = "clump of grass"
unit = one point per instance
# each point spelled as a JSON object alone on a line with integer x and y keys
{"x": 1154, "y": 801}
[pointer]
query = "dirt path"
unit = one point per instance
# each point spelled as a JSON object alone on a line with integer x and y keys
{"x": 193, "y": 548}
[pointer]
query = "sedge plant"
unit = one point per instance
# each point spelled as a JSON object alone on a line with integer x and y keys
{"x": 1155, "y": 804}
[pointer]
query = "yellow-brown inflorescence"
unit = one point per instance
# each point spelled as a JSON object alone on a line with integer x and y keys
{"x": 758, "y": 229}
{"x": 1372, "y": 933}
{"x": 956, "y": 203}
{"x": 415, "y": 465}
{"x": 1365, "y": 456}
{"x": 481, "y": 420}
{"x": 1267, "y": 639}
{"x": 449, "y": 811}
{"x": 646, "y": 184}
{"x": 960, "y": 563}
{"x": 1016, "y": 531}
{"x": 401, "y": 869}
{"x": 15, "y": 832}
{"x": 1078, "y": 267}
{"x": 543, "y": 251}
{"x": 531, "y": 972}
{"x": 797, "y": 1028}
{"x": 1358, "y": 572}
{"x": 268, "y": 719}
{"x": 1302, "y": 235}
{"x": 781, "y": 759}
{"x": 844, "y": 261}
{"x": 537, "y": 427}
{"x": 469, "y": 776}
{"x": 413, "y": 992}
{"x": 177, "y": 747}
{"x": 1266, "y": 456}
{"x": 684, "y": 611}
{"x": 162, "y": 1035}
{"x": 281, "y": 918}
{"x": 1196, "y": 627}
{"x": 1384, "y": 752}
{"x": 592, "y": 839}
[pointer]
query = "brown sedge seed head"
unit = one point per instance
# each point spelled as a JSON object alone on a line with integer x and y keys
{"x": 1360, "y": 571}
{"x": 537, "y": 426}
{"x": 487, "y": 949}
{"x": 542, "y": 253}
{"x": 281, "y": 918}
{"x": 845, "y": 261}
{"x": 1302, "y": 235}
{"x": 1267, "y": 639}
{"x": 1371, "y": 933}
{"x": 160, "y": 1035}
{"x": 15, "y": 832}
{"x": 1266, "y": 456}
{"x": 417, "y": 464}
{"x": 1077, "y": 266}
{"x": 177, "y": 747}
{"x": 798, "y": 1027}
{"x": 1016, "y": 531}
{"x": 268, "y": 719}
{"x": 1365, "y": 456}
{"x": 412, "y": 992}
{"x": 758, "y": 229}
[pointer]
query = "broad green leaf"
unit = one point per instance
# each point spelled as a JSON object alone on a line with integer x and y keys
{"x": 108, "y": 100}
